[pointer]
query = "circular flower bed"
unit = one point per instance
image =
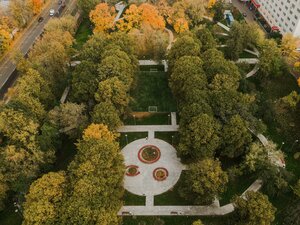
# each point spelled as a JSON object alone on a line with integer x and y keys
{"x": 132, "y": 170}
{"x": 160, "y": 174}
{"x": 149, "y": 154}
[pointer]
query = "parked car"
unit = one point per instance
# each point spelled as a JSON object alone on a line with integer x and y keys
{"x": 40, "y": 19}
{"x": 52, "y": 12}
{"x": 244, "y": 15}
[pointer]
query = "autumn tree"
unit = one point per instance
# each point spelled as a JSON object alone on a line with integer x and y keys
{"x": 236, "y": 137}
{"x": 64, "y": 24}
{"x": 137, "y": 16}
{"x": 103, "y": 17}
{"x": 35, "y": 6}
{"x": 197, "y": 222}
{"x": 44, "y": 198}
{"x": 200, "y": 138}
{"x": 21, "y": 12}
{"x": 218, "y": 9}
{"x": 254, "y": 209}
{"x": 71, "y": 118}
{"x": 204, "y": 182}
{"x": 98, "y": 131}
{"x": 5, "y": 39}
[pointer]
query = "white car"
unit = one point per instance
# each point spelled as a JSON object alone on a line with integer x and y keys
{"x": 52, "y": 12}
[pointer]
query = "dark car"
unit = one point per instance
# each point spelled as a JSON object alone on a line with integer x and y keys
{"x": 244, "y": 15}
{"x": 40, "y": 19}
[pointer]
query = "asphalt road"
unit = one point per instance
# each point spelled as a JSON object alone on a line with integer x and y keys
{"x": 8, "y": 73}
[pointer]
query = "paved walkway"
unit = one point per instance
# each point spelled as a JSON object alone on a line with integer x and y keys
{"x": 171, "y": 38}
{"x": 210, "y": 210}
{"x": 144, "y": 183}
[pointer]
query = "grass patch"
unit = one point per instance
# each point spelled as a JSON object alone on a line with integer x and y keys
{"x": 148, "y": 119}
{"x": 132, "y": 199}
{"x": 9, "y": 217}
{"x": 172, "y": 196}
{"x": 247, "y": 55}
{"x": 236, "y": 187}
{"x": 65, "y": 154}
{"x": 170, "y": 137}
{"x": 175, "y": 220}
{"x": 152, "y": 90}
{"x": 83, "y": 33}
{"x": 131, "y": 136}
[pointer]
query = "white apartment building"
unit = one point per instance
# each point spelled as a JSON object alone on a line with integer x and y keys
{"x": 284, "y": 14}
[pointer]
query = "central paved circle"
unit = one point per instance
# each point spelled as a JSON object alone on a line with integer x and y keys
{"x": 144, "y": 183}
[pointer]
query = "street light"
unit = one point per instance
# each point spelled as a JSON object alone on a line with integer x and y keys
{"x": 126, "y": 138}
{"x": 172, "y": 139}
{"x": 134, "y": 119}
{"x": 296, "y": 141}
{"x": 281, "y": 145}
{"x": 169, "y": 117}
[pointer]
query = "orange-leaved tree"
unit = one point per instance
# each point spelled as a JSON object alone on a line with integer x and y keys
{"x": 181, "y": 25}
{"x": 35, "y": 6}
{"x": 103, "y": 17}
{"x": 145, "y": 14}
{"x": 150, "y": 16}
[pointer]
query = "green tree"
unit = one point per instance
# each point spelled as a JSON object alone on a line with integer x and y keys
{"x": 84, "y": 82}
{"x": 215, "y": 63}
{"x": 205, "y": 36}
{"x": 3, "y": 191}
{"x": 200, "y": 138}
{"x": 218, "y": 10}
{"x": 237, "y": 40}
{"x": 113, "y": 90}
{"x": 43, "y": 200}
{"x": 236, "y": 137}
{"x": 71, "y": 118}
{"x": 296, "y": 188}
{"x": 270, "y": 60}
{"x": 87, "y": 5}
{"x": 224, "y": 81}
{"x": 254, "y": 209}
{"x": 97, "y": 170}
{"x": 205, "y": 180}
{"x": 106, "y": 113}
{"x": 187, "y": 70}
{"x": 185, "y": 45}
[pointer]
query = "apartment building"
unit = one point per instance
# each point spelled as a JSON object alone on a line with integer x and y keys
{"x": 281, "y": 14}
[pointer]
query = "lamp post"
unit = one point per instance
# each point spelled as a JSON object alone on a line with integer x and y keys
{"x": 281, "y": 145}
{"x": 169, "y": 118}
{"x": 172, "y": 139}
{"x": 296, "y": 141}
{"x": 126, "y": 139}
{"x": 134, "y": 119}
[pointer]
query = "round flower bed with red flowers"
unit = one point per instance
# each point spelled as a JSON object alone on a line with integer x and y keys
{"x": 132, "y": 170}
{"x": 149, "y": 154}
{"x": 160, "y": 174}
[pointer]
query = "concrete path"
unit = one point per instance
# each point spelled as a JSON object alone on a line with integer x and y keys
{"x": 253, "y": 72}
{"x": 154, "y": 63}
{"x": 171, "y": 38}
{"x": 211, "y": 210}
{"x": 144, "y": 183}
{"x": 248, "y": 60}
{"x": 147, "y": 128}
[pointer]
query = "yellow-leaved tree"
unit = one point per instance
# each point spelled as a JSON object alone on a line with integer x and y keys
{"x": 98, "y": 131}
{"x": 103, "y": 17}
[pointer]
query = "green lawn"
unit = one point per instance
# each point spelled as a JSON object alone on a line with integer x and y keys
{"x": 170, "y": 137}
{"x": 152, "y": 90}
{"x": 149, "y": 119}
{"x": 175, "y": 220}
{"x": 83, "y": 33}
{"x": 132, "y": 136}
{"x": 65, "y": 155}
{"x": 236, "y": 187}
{"x": 172, "y": 196}
{"x": 10, "y": 217}
{"x": 131, "y": 199}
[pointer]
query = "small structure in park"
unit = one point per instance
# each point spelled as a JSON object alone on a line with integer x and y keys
{"x": 229, "y": 17}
